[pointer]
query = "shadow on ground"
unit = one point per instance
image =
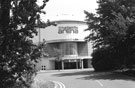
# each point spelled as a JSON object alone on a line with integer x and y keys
{"x": 91, "y": 75}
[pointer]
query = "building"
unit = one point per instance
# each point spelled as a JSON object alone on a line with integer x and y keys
{"x": 66, "y": 46}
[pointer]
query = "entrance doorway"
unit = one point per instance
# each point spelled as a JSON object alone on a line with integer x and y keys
{"x": 85, "y": 63}
{"x": 69, "y": 65}
{"x": 58, "y": 65}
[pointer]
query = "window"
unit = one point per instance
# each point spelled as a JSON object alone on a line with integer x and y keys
{"x": 43, "y": 67}
{"x": 68, "y": 48}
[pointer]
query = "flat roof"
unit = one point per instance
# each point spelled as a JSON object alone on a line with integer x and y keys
{"x": 66, "y": 40}
{"x": 69, "y": 21}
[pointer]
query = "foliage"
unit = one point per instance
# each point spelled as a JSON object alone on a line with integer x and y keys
{"x": 18, "y": 54}
{"x": 105, "y": 59}
{"x": 113, "y": 28}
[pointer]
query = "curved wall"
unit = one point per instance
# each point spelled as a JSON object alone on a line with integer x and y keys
{"x": 67, "y": 40}
{"x": 64, "y": 31}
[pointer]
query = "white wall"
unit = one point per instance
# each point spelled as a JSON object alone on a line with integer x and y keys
{"x": 50, "y": 64}
{"x": 52, "y": 32}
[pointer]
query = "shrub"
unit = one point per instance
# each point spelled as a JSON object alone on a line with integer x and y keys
{"x": 104, "y": 59}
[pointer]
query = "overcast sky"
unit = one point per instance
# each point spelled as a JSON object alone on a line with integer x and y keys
{"x": 68, "y": 9}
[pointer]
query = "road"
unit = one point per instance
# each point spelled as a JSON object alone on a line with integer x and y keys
{"x": 87, "y": 78}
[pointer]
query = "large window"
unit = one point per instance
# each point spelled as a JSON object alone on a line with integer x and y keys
{"x": 68, "y": 48}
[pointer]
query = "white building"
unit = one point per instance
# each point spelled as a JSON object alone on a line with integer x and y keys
{"x": 66, "y": 46}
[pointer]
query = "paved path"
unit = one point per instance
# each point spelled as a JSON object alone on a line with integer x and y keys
{"x": 88, "y": 79}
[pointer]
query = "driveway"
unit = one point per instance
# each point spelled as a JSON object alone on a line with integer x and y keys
{"x": 87, "y": 78}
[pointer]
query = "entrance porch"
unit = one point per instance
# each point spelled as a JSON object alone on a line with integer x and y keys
{"x": 73, "y": 64}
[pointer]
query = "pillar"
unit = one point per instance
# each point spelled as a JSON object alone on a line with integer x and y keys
{"x": 82, "y": 63}
{"x": 76, "y": 64}
{"x": 62, "y": 62}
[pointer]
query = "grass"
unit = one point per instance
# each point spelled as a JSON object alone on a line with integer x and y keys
{"x": 127, "y": 72}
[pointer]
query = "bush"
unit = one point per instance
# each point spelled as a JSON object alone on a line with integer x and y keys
{"x": 104, "y": 59}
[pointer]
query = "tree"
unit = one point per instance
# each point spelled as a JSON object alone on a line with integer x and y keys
{"x": 113, "y": 28}
{"x": 17, "y": 51}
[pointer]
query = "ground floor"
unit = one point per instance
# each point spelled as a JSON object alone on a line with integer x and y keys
{"x": 52, "y": 64}
{"x": 73, "y": 64}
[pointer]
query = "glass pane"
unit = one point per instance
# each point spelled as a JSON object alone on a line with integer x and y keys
{"x": 68, "y": 48}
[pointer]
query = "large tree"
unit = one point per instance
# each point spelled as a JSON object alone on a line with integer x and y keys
{"x": 113, "y": 29}
{"x": 18, "y": 54}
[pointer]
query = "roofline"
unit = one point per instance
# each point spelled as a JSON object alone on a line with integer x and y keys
{"x": 65, "y": 40}
{"x": 69, "y": 21}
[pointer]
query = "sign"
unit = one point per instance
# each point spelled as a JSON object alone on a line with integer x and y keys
{"x": 67, "y": 29}
{"x": 64, "y": 31}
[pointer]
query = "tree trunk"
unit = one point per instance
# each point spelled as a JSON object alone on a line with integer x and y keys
{"x": 4, "y": 13}
{"x": 5, "y": 6}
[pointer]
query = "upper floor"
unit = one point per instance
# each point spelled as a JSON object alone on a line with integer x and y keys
{"x": 64, "y": 31}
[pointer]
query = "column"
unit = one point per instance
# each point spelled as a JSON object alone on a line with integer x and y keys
{"x": 76, "y": 64}
{"x": 62, "y": 62}
{"x": 82, "y": 63}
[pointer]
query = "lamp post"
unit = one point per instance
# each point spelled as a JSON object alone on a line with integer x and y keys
{"x": 39, "y": 35}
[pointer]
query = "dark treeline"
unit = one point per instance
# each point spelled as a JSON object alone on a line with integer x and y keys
{"x": 113, "y": 34}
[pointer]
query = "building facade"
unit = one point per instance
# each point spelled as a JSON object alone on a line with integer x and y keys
{"x": 65, "y": 45}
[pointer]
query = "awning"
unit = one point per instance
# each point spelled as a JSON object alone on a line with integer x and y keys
{"x": 76, "y": 57}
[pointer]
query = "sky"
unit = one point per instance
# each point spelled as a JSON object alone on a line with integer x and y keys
{"x": 68, "y": 9}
